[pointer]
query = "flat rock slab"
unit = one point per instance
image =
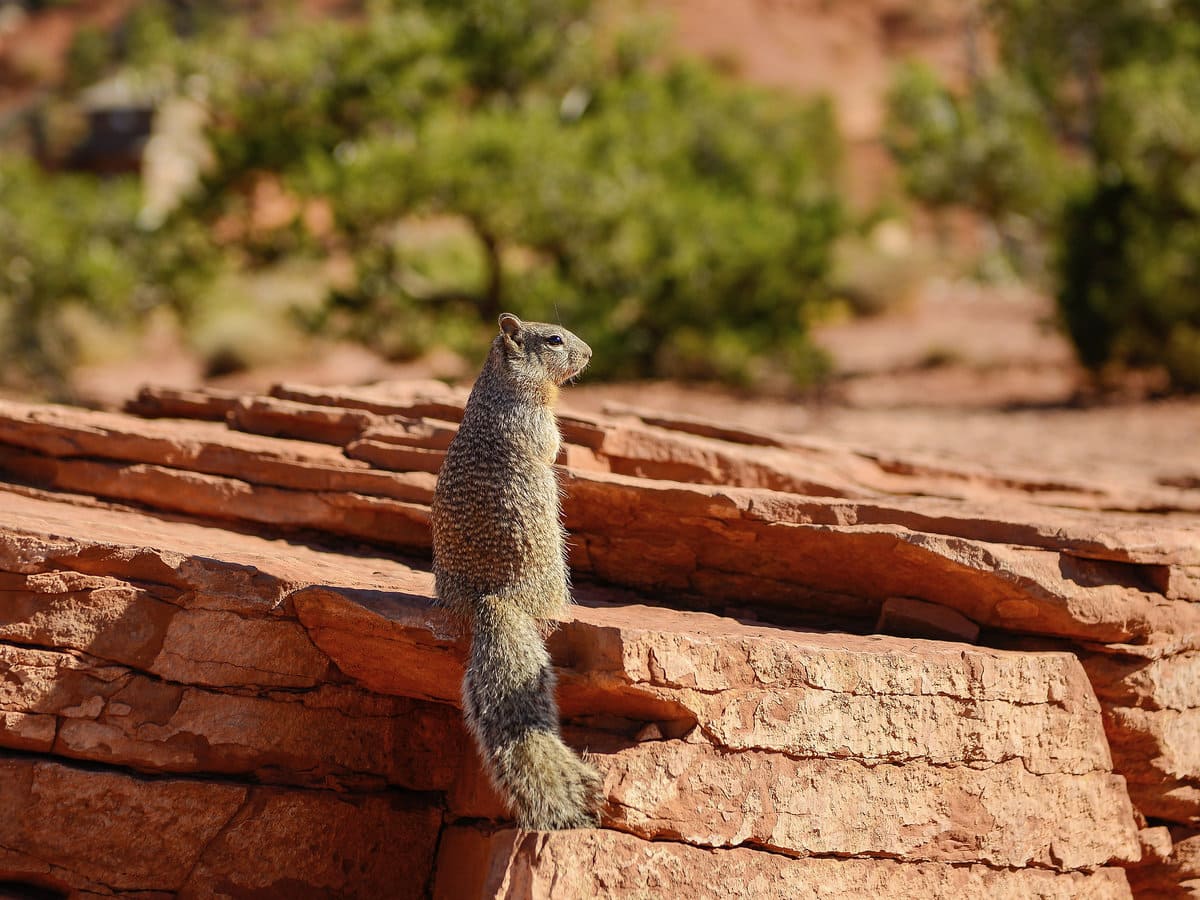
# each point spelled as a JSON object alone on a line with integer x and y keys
{"x": 1102, "y": 579}
{"x": 227, "y": 449}
{"x": 581, "y": 865}
{"x": 328, "y": 736}
{"x": 732, "y": 545}
{"x": 109, "y": 832}
{"x": 1000, "y": 815}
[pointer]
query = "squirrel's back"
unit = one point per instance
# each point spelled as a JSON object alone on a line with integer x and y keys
{"x": 499, "y": 561}
{"x": 496, "y": 507}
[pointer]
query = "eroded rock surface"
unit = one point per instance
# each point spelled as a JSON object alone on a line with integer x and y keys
{"x": 584, "y": 864}
{"x": 215, "y": 626}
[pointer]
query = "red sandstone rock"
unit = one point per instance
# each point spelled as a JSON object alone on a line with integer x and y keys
{"x": 698, "y": 426}
{"x": 397, "y": 456}
{"x": 1171, "y": 870}
{"x": 212, "y": 496}
{"x": 1152, "y": 717}
{"x": 907, "y": 617}
{"x": 59, "y": 431}
{"x": 28, "y": 731}
{"x": 326, "y": 736}
{"x": 1000, "y": 815}
{"x": 729, "y": 545}
{"x": 1170, "y": 682}
{"x": 580, "y": 865}
{"x": 756, "y": 688}
{"x": 415, "y": 399}
{"x": 428, "y": 433}
{"x": 107, "y": 832}
{"x": 1160, "y": 750}
{"x": 647, "y": 453}
{"x": 198, "y": 447}
{"x": 285, "y": 844}
{"x": 871, "y": 470}
{"x": 713, "y": 543}
{"x": 1181, "y": 582}
{"x": 175, "y": 403}
{"x": 757, "y": 459}
{"x": 134, "y": 641}
{"x": 847, "y": 702}
{"x": 287, "y": 418}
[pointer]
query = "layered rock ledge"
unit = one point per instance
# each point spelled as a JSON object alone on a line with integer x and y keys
{"x": 215, "y": 631}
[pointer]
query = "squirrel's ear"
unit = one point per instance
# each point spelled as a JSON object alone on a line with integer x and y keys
{"x": 510, "y": 325}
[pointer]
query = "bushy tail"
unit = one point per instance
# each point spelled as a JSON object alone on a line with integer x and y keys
{"x": 509, "y": 705}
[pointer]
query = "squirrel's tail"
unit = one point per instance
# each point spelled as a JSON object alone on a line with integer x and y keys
{"x": 509, "y": 705}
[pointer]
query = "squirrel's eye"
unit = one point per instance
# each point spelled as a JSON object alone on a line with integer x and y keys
{"x": 554, "y": 339}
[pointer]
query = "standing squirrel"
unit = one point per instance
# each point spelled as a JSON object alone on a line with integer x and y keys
{"x": 499, "y": 562}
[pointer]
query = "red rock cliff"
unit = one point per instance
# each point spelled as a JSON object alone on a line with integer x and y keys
{"x": 804, "y": 669}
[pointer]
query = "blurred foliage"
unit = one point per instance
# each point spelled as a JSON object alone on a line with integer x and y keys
{"x": 88, "y": 57}
{"x": 71, "y": 240}
{"x": 992, "y": 149}
{"x": 508, "y": 46}
{"x": 457, "y": 159}
{"x": 694, "y": 251}
{"x": 148, "y": 35}
{"x": 1090, "y": 129}
{"x": 1131, "y": 244}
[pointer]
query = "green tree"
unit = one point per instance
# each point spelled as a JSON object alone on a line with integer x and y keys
{"x": 682, "y": 221}
{"x": 88, "y": 57}
{"x": 510, "y": 45}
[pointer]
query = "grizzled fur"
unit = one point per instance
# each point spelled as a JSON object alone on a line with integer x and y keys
{"x": 499, "y": 562}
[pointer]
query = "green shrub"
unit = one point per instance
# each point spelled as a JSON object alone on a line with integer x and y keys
{"x": 148, "y": 35}
{"x": 1131, "y": 243}
{"x": 510, "y": 45}
{"x": 71, "y": 240}
{"x": 287, "y": 101}
{"x": 991, "y": 150}
{"x": 60, "y": 243}
{"x": 88, "y": 57}
{"x": 682, "y": 222}
{"x": 1091, "y": 130}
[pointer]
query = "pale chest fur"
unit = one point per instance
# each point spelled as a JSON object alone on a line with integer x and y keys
{"x": 545, "y": 438}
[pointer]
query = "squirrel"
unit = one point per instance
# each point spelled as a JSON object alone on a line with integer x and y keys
{"x": 499, "y": 561}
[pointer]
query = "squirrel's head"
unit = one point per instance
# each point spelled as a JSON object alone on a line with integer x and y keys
{"x": 538, "y": 353}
